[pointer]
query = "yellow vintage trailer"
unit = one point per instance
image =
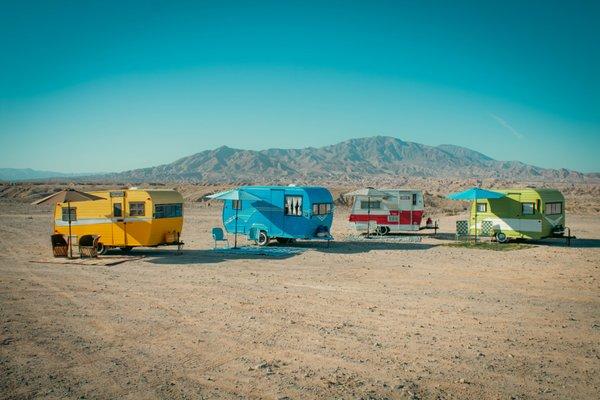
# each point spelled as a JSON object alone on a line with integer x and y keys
{"x": 125, "y": 218}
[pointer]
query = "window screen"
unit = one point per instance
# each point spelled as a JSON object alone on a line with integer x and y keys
{"x": 137, "y": 209}
{"x": 528, "y": 208}
{"x": 481, "y": 207}
{"x": 168, "y": 210}
{"x": 65, "y": 213}
{"x": 554, "y": 208}
{"x": 293, "y": 205}
{"x": 374, "y": 204}
{"x": 322, "y": 208}
{"x": 117, "y": 210}
{"x": 236, "y": 204}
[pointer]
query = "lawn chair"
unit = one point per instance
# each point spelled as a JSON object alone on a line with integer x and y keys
{"x": 253, "y": 234}
{"x": 487, "y": 228}
{"x": 462, "y": 229}
{"x": 219, "y": 236}
{"x": 60, "y": 248}
{"x": 88, "y": 246}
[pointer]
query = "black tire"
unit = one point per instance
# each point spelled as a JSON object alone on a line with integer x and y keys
{"x": 382, "y": 230}
{"x": 263, "y": 239}
{"x": 126, "y": 249}
{"x": 101, "y": 248}
{"x": 501, "y": 237}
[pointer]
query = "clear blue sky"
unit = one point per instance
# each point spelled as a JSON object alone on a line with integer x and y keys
{"x": 107, "y": 86}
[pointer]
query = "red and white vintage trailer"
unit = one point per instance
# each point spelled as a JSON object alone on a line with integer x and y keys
{"x": 387, "y": 210}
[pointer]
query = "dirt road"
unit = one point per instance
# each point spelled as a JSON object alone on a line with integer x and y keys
{"x": 353, "y": 320}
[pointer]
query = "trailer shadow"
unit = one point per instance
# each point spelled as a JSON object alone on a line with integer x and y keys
{"x": 583, "y": 243}
{"x": 360, "y": 246}
{"x": 442, "y": 236}
{"x": 272, "y": 252}
{"x": 203, "y": 256}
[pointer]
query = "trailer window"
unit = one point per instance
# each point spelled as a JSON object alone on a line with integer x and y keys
{"x": 414, "y": 199}
{"x": 117, "y": 210}
{"x": 481, "y": 207}
{"x": 236, "y": 204}
{"x": 137, "y": 209}
{"x": 372, "y": 204}
{"x": 293, "y": 205}
{"x": 553, "y": 208}
{"x": 321, "y": 208}
{"x": 168, "y": 210}
{"x": 65, "y": 213}
{"x": 528, "y": 208}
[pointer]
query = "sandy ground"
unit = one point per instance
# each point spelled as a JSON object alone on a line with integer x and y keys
{"x": 353, "y": 320}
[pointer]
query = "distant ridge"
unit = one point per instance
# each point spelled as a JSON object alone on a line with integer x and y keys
{"x": 28, "y": 174}
{"x": 352, "y": 160}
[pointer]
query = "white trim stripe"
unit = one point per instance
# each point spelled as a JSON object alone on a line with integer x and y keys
{"x": 95, "y": 221}
{"x": 514, "y": 224}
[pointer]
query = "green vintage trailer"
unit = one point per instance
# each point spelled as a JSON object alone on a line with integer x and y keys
{"x": 524, "y": 213}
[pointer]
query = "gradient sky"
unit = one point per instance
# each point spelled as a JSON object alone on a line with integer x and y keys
{"x": 107, "y": 86}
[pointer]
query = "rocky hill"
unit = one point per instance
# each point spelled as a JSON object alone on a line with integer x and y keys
{"x": 356, "y": 160}
{"x": 25, "y": 174}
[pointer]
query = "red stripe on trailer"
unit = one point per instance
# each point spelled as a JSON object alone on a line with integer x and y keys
{"x": 405, "y": 218}
{"x": 380, "y": 219}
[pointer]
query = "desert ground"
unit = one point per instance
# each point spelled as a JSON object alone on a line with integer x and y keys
{"x": 357, "y": 319}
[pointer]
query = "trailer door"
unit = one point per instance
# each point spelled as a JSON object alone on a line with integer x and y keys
{"x": 276, "y": 213}
{"x": 119, "y": 231}
{"x": 516, "y": 212}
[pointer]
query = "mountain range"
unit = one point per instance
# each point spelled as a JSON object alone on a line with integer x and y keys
{"x": 27, "y": 174}
{"x": 381, "y": 158}
{"x": 353, "y": 160}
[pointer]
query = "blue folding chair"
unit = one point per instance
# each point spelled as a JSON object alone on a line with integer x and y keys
{"x": 219, "y": 236}
{"x": 253, "y": 234}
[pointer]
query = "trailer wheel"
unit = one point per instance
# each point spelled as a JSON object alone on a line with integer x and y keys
{"x": 501, "y": 237}
{"x": 382, "y": 230}
{"x": 101, "y": 248}
{"x": 263, "y": 239}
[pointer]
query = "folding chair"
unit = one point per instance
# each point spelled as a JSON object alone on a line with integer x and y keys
{"x": 219, "y": 236}
{"x": 253, "y": 234}
{"x": 487, "y": 228}
{"x": 462, "y": 229}
{"x": 60, "y": 247}
{"x": 88, "y": 246}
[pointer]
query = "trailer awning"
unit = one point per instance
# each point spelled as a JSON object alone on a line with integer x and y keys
{"x": 235, "y": 194}
{"x": 368, "y": 192}
{"x": 476, "y": 194}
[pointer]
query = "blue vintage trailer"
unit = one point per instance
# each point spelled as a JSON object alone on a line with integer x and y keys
{"x": 284, "y": 213}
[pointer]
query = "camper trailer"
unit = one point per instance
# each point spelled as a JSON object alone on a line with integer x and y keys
{"x": 125, "y": 218}
{"x": 394, "y": 210}
{"x": 523, "y": 213}
{"x": 283, "y": 213}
